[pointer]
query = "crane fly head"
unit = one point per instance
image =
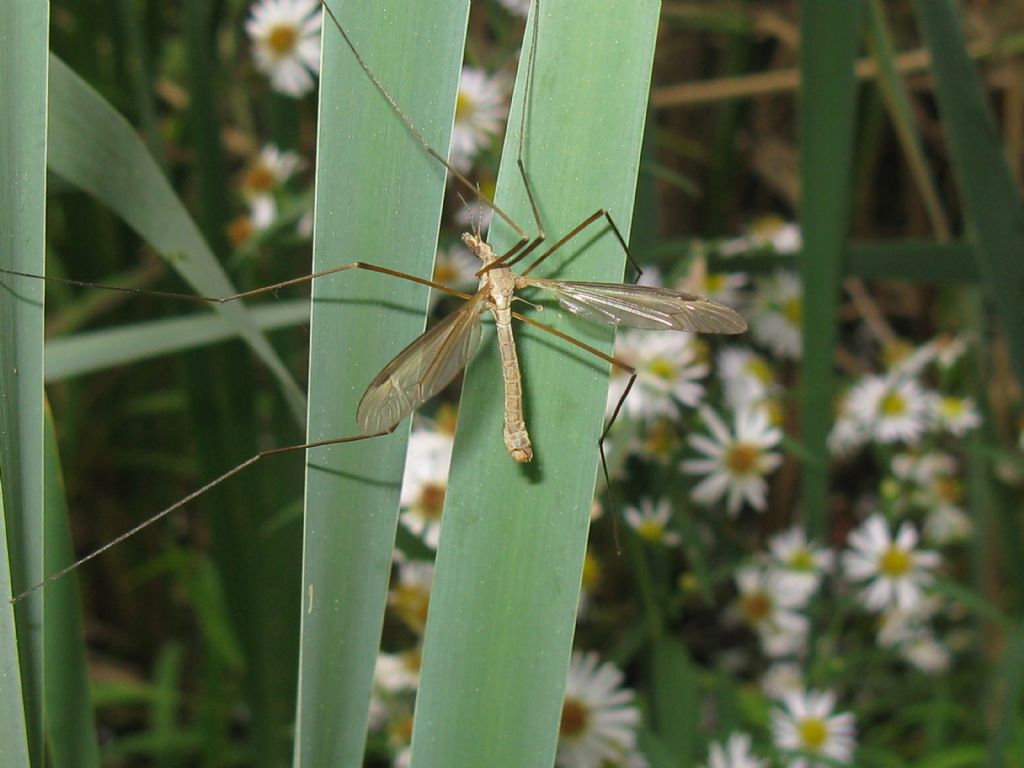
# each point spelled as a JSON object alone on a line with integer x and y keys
{"x": 480, "y": 249}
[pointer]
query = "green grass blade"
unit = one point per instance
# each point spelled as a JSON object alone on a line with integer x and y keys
{"x": 894, "y": 92}
{"x": 91, "y": 351}
{"x": 13, "y": 735}
{"x": 503, "y": 604}
{"x": 23, "y": 74}
{"x": 990, "y": 196}
{"x": 94, "y": 148}
{"x": 71, "y": 732}
{"x": 378, "y": 199}
{"x": 1004, "y": 698}
{"x": 828, "y": 32}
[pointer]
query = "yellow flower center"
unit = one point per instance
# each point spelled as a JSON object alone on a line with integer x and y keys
{"x": 444, "y": 272}
{"x": 400, "y": 730}
{"x": 756, "y": 607}
{"x": 282, "y": 39}
{"x": 240, "y": 230}
{"x": 793, "y": 310}
{"x": 591, "y": 572}
{"x": 893, "y": 404}
{"x": 949, "y": 489}
{"x": 951, "y": 407}
{"x": 650, "y": 530}
{"x": 662, "y": 368}
{"x": 741, "y": 458}
{"x": 759, "y": 369}
{"x": 801, "y": 560}
{"x": 431, "y": 501}
{"x": 575, "y": 717}
{"x": 660, "y": 438}
{"x": 259, "y": 178}
{"x": 411, "y": 603}
{"x": 895, "y": 562}
{"x": 813, "y": 733}
{"x": 465, "y": 107}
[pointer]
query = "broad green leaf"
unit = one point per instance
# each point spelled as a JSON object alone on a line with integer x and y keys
{"x": 503, "y": 605}
{"x": 94, "y": 148}
{"x": 24, "y": 27}
{"x": 378, "y": 199}
{"x": 91, "y": 351}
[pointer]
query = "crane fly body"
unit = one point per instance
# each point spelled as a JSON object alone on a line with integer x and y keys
{"x": 430, "y": 362}
{"x": 427, "y": 365}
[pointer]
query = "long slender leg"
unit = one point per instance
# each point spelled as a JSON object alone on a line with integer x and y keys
{"x": 244, "y": 294}
{"x": 626, "y": 367}
{"x": 192, "y": 496}
{"x": 596, "y": 215}
{"x": 512, "y": 257}
{"x": 416, "y": 132}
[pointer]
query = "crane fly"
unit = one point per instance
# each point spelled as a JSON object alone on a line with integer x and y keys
{"x": 427, "y": 365}
{"x": 434, "y": 359}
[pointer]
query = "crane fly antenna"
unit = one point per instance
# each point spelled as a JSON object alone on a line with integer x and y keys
{"x": 192, "y": 496}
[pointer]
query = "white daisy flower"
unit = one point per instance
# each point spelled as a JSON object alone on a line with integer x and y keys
{"x": 769, "y": 605}
{"x": 735, "y": 753}
{"x": 894, "y": 409}
{"x": 650, "y": 521}
{"x": 480, "y": 111}
{"x": 425, "y": 482}
{"x": 286, "y": 43}
{"x": 659, "y": 441}
{"x": 724, "y": 287}
{"x": 599, "y": 719}
{"x": 668, "y": 368}
{"x": 849, "y": 433}
{"x": 454, "y": 266}
{"x": 517, "y": 7}
{"x": 304, "y": 226}
{"x": 781, "y": 679}
{"x": 923, "y": 468}
{"x": 735, "y": 464}
{"x": 909, "y": 632}
{"x": 949, "y": 349}
{"x": 956, "y": 415}
{"x": 766, "y": 232}
{"x": 748, "y": 377}
{"x": 271, "y": 169}
{"x": 396, "y": 672}
{"x": 945, "y": 524}
{"x": 803, "y": 563}
{"x": 924, "y": 652}
{"x": 262, "y": 212}
{"x": 894, "y": 570}
{"x": 409, "y": 594}
{"x": 806, "y": 724}
{"x": 776, "y": 316}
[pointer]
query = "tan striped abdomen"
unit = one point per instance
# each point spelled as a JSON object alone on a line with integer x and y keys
{"x": 517, "y": 441}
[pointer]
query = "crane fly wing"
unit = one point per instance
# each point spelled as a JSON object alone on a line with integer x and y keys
{"x": 422, "y": 369}
{"x": 641, "y": 306}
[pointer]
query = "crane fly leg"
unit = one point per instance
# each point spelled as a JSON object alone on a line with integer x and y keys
{"x": 243, "y": 294}
{"x": 192, "y": 496}
{"x": 595, "y": 216}
{"x": 621, "y": 365}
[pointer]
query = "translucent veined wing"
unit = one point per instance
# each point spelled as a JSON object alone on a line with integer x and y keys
{"x": 642, "y": 306}
{"x": 422, "y": 369}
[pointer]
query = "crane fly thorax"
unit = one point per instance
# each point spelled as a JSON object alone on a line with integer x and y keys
{"x": 499, "y": 283}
